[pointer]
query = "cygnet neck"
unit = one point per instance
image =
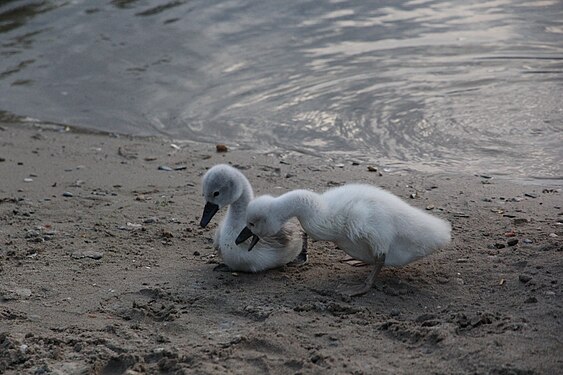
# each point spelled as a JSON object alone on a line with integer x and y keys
{"x": 237, "y": 209}
{"x": 307, "y": 206}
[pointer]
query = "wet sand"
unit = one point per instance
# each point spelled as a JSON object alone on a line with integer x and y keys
{"x": 104, "y": 270}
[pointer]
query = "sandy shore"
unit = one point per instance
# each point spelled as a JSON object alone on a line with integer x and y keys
{"x": 104, "y": 270}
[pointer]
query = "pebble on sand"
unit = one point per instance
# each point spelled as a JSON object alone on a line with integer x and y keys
{"x": 519, "y": 221}
{"x": 87, "y": 254}
{"x": 221, "y": 148}
{"x": 23, "y": 292}
{"x": 68, "y": 194}
{"x": 512, "y": 242}
{"x": 524, "y": 278}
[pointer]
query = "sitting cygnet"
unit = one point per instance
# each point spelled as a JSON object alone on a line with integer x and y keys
{"x": 224, "y": 186}
{"x": 368, "y": 223}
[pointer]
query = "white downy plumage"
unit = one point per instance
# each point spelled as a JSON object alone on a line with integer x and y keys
{"x": 368, "y": 223}
{"x": 225, "y": 186}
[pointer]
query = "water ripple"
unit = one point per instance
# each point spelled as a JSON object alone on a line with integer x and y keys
{"x": 426, "y": 84}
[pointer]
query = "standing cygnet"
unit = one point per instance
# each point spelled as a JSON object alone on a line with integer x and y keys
{"x": 368, "y": 223}
{"x": 224, "y": 186}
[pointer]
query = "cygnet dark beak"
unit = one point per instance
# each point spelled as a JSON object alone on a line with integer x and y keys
{"x": 209, "y": 211}
{"x": 246, "y": 234}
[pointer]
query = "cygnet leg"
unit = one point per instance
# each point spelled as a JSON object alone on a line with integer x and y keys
{"x": 363, "y": 288}
{"x": 222, "y": 267}
{"x": 303, "y": 256}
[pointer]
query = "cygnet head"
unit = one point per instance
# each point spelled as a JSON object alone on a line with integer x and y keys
{"x": 259, "y": 218}
{"x": 259, "y": 221}
{"x": 221, "y": 186}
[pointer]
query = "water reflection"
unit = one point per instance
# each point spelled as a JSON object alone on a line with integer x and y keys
{"x": 438, "y": 85}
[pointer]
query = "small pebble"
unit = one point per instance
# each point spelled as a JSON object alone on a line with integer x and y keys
{"x": 442, "y": 280}
{"x": 499, "y": 246}
{"x": 524, "y": 278}
{"x": 28, "y": 179}
{"x": 512, "y": 242}
{"x": 87, "y": 254}
{"x": 166, "y": 234}
{"x": 519, "y": 221}
{"x": 430, "y": 207}
{"x": 68, "y": 194}
{"x": 372, "y": 169}
{"x": 527, "y": 241}
{"x": 164, "y": 168}
{"x": 150, "y": 220}
{"x": 221, "y": 148}
{"x": 23, "y": 292}
{"x": 395, "y": 312}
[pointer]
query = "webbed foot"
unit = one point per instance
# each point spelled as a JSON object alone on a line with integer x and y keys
{"x": 354, "y": 290}
{"x": 357, "y": 290}
{"x": 222, "y": 267}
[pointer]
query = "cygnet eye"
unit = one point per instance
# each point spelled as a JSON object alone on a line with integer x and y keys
{"x": 251, "y": 224}
{"x": 216, "y": 194}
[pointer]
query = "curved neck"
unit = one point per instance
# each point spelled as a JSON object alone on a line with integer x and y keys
{"x": 237, "y": 209}
{"x": 309, "y": 209}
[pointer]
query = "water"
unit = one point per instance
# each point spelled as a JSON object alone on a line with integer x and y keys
{"x": 465, "y": 86}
